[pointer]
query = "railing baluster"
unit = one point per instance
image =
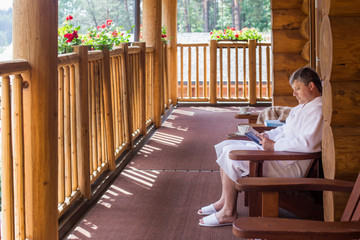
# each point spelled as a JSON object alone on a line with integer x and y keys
{"x": 236, "y": 72}
{"x": 18, "y": 157}
{"x": 74, "y": 170}
{"x": 7, "y": 184}
{"x": 189, "y": 74}
{"x": 182, "y": 72}
{"x": 90, "y": 100}
{"x": 228, "y": 73}
{"x": 260, "y": 72}
{"x": 197, "y": 73}
{"x": 67, "y": 134}
{"x": 221, "y": 72}
{"x": 93, "y": 118}
{"x": 245, "y": 92}
{"x": 205, "y": 74}
{"x": 268, "y": 71}
{"x": 61, "y": 163}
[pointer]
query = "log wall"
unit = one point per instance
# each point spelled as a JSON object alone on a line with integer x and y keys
{"x": 290, "y": 37}
{"x": 339, "y": 65}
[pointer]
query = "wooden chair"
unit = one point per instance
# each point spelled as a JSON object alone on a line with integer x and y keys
{"x": 283, "y": 229}
{"x": 256, "y": 159}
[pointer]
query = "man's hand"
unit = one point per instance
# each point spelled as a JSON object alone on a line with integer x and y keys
{"x": 266, "y": 143}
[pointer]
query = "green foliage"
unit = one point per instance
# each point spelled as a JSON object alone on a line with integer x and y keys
{"x": 221, "y": 13}
{"x": 257, "y": 14}
{"x": 236, "y": 35}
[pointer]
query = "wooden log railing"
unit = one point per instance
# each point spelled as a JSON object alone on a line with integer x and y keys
{"x": 105, "y": 101}
{"x": 239, "y": 72}
{"x": 14, "y": 77}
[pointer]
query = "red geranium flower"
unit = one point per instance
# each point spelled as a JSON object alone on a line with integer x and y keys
{"x": 236, "y": 35}
{"x": 98, "y": 27}
{"x": 109, "y": 21}
{"x": 228, "y": 27}
{"x": 218, "y": 36}
{"x": 103, "y": 26}
{"x": 69, "y": 18}
{"x": 75, "y": 34}
{"x": 211, "y": 33}
{"x": 115, "y": 33}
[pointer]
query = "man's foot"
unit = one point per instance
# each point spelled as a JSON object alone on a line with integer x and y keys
{"x": 207, "y": 210}
{"x": 210, "y": 209}
{"x": 212, "y": 221}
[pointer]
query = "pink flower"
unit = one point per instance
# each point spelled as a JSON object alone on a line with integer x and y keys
{"x": 69, "y": 18}
{"x": 109, "y": 21}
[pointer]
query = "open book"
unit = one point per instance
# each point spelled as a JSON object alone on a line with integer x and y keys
{"x": 250, "y": 132}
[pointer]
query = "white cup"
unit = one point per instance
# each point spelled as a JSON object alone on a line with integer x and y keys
{"x": 243, "y": 110}
{"x": 242, "y": 129}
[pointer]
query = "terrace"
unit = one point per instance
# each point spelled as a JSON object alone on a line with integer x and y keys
{"x": 74, "y": 124}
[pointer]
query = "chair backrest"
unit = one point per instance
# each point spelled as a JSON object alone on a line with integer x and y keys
{"x": 352, "y": 209}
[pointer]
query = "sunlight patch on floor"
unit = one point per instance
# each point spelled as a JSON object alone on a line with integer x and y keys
{"x": 167, "y": 139}
{"x": 215, "y": 109}
{"x": 184, "y": 112}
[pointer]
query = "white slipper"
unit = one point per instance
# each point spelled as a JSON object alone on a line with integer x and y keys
{"x": 207, "y": 210}
{"x": 211, "y": 221}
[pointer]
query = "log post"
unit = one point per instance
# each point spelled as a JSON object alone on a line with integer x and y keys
{"x": 152, "y": 37}
{"x": 35, "y": 40}
{"x": 82, "y": 121}
{"x": 142, "y": 63}
{"x": 108, "y": 109}
{"x": 169, "y": 15}
{"x": 213, "y": 71}
{"x": 252, "y": 71}
{"x": 127, "y": 83}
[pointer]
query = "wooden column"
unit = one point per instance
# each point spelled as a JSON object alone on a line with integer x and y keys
{"x": 169, "y": 15}
{"x": 213, "y": 71}
{"x": 35, "y": 40}
{"x": 339, "y": 65}
{"x": 152, "y": 37}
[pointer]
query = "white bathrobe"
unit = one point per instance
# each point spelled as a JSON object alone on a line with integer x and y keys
{"x": 301, "y": 133}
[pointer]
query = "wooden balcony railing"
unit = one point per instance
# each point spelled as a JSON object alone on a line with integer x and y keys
{"x": 14, "y": 77}
{"x": 238, "y": 72}
{"x": 105, "y": 101}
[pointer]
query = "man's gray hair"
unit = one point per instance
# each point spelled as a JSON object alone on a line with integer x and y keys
{"x": 306, "y": 75}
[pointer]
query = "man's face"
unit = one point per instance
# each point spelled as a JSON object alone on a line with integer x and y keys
{"x": 302, "y": 92}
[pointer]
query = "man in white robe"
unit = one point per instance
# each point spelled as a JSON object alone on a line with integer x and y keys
{"x": 301, "y": 133}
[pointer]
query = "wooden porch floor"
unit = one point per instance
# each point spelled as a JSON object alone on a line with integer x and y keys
{"x": 175, "y": 173}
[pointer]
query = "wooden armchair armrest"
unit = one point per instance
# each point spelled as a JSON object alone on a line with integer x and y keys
{"x": 261, "y": 155}
{"x": 293, "y": 184}
{"x": 281, "y": 228}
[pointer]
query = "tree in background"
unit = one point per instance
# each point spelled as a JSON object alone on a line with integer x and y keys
{"x": 94, "y": 12}
{"x": 205, "y": 15}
